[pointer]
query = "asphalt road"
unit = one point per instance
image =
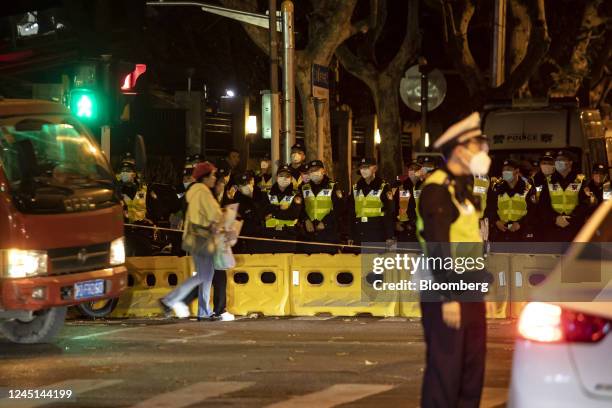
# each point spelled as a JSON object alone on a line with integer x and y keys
{"x": 268, "y": 362}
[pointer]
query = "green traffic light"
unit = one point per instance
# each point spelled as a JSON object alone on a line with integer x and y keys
{"x": 84, "y": 104}
{"x": 84, "y": 107}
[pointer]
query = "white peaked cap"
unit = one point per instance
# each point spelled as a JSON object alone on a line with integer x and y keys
{"x": 461, "y": 131}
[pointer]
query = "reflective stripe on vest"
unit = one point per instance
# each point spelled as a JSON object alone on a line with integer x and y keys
{"x": 137, "y": 207}
{"x": 284, "y": 204}
{"x": 318, "y": 206}
{"x": 404, "y": 200}
{"x": 417, "y": 197}
{"x": 370, "y": 205}
{"x": 607, "y": 191}
{"x": 466, "y": 228}
{"x": 512, "y": 208}
{"x": 565, "y": 201}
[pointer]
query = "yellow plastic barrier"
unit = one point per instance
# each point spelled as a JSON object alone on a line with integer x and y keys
{"x": 333, "y": 284}
{"x": 259, "y": 284}
{"x": 149, "y": 279}
{"x": 499, "y": 291}
{"x": 527, "y": 271}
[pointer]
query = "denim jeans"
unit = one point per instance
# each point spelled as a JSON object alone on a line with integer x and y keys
{"x": 202, "y": 279}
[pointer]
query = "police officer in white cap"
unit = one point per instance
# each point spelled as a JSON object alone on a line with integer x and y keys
{"x": 448, "y": 223}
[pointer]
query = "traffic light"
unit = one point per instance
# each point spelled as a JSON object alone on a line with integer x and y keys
{"x": 84, "y": 104}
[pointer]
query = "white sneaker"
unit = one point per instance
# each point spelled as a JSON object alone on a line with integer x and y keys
{"x": 227, "y": 317}
{"x": 181, "y": 310}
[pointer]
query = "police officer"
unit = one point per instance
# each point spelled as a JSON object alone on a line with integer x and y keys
{"x": 133, "y": 191}
{"x": 283, "y": 212}
{"x": 251, "y": 210}
{"x": 298, "y": 158}
{"x": 405, "y": 206}
{"x": 370, "y": 206}
{"x": 598, "y": 188}
{"x": 455, "y": 332}
{"x": 511, "y": 206}
{"x": 264, "y": 179}
{"x": 323, "y": 209}
{"x": 563, "y": 204}
{"x": 546, "y": 167}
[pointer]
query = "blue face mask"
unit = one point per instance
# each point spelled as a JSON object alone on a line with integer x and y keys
{"x": 560, "y": 166}
{"x": 508, "y": 176}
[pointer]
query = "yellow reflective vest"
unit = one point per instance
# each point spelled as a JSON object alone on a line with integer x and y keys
{"x": 368, "y": 206}
{"x": 265, "y": 186}
{"x": 607, "y": 191}
{"x": 465, "y": 229}
{"x": 512, "y": 208}
{"x": 284, "y": 203}
{"x": 318, "y": 205}
{"x": 404, "y": 201}
{"x": 481, "y": 187}
{"x": 137, "y": 206}
{"x": 565, "y": 201}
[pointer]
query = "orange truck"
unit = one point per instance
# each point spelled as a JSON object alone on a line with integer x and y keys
{"x": 61, "y": 220}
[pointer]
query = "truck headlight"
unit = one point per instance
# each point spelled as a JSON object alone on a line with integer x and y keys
{"x": 117, "y": 252}
{"x": 23, "y": 263}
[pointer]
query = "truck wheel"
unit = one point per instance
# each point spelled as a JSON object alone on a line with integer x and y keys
{"x": 43, "y": 327}
{"x": 101, "y": 308}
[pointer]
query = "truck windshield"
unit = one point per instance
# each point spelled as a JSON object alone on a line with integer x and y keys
{"x": 58, "y": 156}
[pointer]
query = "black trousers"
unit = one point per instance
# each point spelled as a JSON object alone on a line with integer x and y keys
{"x": 219, "y": 284}
{"x": 455, "y": 359}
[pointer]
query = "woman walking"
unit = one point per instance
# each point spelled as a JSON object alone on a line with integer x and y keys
{"x": 201, "y": 220}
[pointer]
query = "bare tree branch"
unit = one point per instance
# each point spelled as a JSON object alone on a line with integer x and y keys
{"x": 539, "y": 42}
{"x": 363, "y": 70}
{"x": 410, "y": 44}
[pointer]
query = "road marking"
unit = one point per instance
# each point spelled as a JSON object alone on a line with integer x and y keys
{"x": 192, "y": 394}
{"x": 493, "y": 397}
{"x": 200, "y": 336}
{"x": 332, "y": 396}
{"x": 313, "y": 318}
{"x": 77, "y": 387}
{"x": 104, "y": 333}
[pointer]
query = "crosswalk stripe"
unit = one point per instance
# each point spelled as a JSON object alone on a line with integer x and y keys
{"x": 332, "y": 396}
{"x": 77, "y": 387}
{"x": 192, "y": 394}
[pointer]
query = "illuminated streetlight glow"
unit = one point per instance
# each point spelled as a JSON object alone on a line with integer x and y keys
{"x": 229, "y": 93}
{"x": 251, "y": 125}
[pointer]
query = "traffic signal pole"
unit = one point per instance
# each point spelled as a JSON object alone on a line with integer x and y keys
{"x": 266, "y": 22}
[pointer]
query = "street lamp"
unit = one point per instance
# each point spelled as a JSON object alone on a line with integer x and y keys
{"x": 251, "y": 125}
{"x": 377, "y": 136}
{"x": 229, "y": 93}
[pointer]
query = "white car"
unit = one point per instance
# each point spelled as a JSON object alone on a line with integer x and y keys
{"x": 563, "y": 354}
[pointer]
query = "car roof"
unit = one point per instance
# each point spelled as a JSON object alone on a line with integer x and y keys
{"x": 25, "y": 107}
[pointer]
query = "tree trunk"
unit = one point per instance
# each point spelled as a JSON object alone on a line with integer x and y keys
{"x": 386, "y": 97}
{"x": 519, "y": 40}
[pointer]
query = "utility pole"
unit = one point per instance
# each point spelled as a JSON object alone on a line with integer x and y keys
{"x": 498, "y": 56}
{"x": 424, "y": 70}
{"x": 288, "y": 79}
{"x": 275, "y": 101}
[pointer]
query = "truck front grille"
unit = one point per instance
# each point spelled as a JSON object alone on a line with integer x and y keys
{"x": 78, "y": 259}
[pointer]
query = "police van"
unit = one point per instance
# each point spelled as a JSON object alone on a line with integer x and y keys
{"x": 524, "y": 129}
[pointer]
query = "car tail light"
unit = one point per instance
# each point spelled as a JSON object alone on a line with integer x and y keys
{"x": 549, "y": 323}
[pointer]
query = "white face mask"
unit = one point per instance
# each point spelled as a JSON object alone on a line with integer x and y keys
{"x": 425, "y": 170}
{"x": 508, "y": 175}
{"x": 127, "y": 177}
{"x": 264, "y": 165}
{"x": 283, "y": 182}
{"x": 366, "y": 172}
{"x": 547, "y": 169}
{"x": 297, "y": 158}
{"x": 479, "y": 164}
{"x": 305, "y": 178}
{"x": 246, "y": 190}
{"x": 186, "y": 184}
{"x": 316, "y": 176}
{"x": 561, "y": 166}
